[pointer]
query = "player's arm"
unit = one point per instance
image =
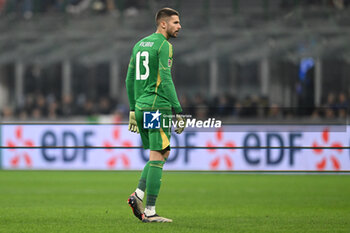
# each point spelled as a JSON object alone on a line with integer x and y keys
{"x": 130, "y": 89}
{"x": 165, "y": 63}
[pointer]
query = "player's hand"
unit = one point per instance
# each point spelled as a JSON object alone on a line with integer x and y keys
{"x": 132, "y": 123}
{"x": 180, "y": 124}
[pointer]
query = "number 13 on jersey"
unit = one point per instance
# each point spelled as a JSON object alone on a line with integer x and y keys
{"x": 145, "y": 63}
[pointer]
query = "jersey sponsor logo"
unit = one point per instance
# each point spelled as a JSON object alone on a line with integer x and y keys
{"x": 169, "y": 62}
{"x": 146, "y": 44}
{"x": 151, "y": 120}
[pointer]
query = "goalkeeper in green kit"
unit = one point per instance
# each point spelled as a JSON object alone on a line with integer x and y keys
{"x": 151, "y": 93}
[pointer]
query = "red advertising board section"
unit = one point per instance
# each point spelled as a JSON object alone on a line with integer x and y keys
{"x": 252, "y": 148}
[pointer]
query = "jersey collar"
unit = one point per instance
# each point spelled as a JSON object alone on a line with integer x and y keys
{"x": 161, "y": 35}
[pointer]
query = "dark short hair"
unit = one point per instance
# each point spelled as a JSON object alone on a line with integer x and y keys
{"x": 165, "y": 12}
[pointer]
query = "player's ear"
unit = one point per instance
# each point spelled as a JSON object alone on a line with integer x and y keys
{"x": 163, "y": 24}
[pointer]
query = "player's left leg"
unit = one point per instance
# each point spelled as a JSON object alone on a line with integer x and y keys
{"x": 153, "y": 183}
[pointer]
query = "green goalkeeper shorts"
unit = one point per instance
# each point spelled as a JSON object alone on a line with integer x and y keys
{"x": 155, "y": 139}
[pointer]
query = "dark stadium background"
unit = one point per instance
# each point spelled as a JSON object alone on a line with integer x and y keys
{"x": 260, "y": 59}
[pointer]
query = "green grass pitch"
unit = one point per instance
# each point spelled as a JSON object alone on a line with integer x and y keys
{"x": 83, "y": 201}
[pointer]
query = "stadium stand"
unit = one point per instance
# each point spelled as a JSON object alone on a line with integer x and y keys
{"x": 69, "y": 58}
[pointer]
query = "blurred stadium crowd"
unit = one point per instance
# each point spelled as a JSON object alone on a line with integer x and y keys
{"x": 238, "y": 93}
{"x": 27, "y": 8}
{"x": 38, "y": 106}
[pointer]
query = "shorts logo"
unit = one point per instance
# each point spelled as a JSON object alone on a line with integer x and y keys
{"x": 151, "y": 120}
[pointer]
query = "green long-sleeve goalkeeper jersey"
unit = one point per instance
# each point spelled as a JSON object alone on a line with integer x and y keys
{"x": 149, "y": 84}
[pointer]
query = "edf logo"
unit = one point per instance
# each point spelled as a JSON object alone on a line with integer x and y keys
{"x": 151, "y": 120}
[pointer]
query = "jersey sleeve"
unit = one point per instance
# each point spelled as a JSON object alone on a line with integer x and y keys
{"x": 165, "y": 63}
{"x": 130, "y": 83}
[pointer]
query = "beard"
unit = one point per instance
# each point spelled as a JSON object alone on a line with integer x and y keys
{"x": 172, "y": 34}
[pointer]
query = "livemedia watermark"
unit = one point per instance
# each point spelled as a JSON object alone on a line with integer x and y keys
{"x": 155, "y": 120}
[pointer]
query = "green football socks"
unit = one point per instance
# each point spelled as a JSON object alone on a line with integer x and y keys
{"x": 150, "y": 179}
{"x": 153, "y": 181}
{"x": 143, "y": 179}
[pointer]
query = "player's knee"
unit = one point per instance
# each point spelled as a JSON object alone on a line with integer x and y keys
{"x": 166, "y": 153}
{"x": 160, "y": 154}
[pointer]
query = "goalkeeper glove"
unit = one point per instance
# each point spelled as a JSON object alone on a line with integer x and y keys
{"x": 132, "y": 123}
{"x": 180, "y": 124}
